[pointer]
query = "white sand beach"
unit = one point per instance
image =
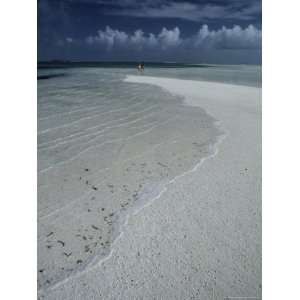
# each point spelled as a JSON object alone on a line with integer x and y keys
{"x": 199, "y": 236}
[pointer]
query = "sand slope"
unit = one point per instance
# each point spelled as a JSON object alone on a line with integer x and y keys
{"x": 202, "y": 238}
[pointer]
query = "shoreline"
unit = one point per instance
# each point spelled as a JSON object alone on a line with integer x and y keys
{"x": 133, "y": 211}
{"x": 162, "y": 156}
{"x": 149, "y": 195}
{"x": 185, "y": 88}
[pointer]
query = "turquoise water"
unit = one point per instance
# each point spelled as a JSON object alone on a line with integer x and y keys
{"x": 233, "y": 74}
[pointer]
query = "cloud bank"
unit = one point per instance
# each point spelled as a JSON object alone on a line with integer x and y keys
{"x": 170, "y": 39}
{"x": 111, "y": 38}
{"x": 223, "y": 45}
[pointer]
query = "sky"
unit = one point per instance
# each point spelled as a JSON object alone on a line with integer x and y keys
{"x": 188, "y": 31}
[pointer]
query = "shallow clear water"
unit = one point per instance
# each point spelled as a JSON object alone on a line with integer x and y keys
{"x": 241, "y": 75}
{"x": 105, "y": 147}
{"x": 249, "y": 75}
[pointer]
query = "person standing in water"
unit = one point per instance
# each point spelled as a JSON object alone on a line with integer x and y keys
{"x": 141, "y": 67}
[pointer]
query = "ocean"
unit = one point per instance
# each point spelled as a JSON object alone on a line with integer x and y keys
{"x": 249, "y": 75}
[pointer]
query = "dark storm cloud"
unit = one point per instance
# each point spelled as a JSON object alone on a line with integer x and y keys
{"x": 53, "y": 21}
{"x": 187, "y": 9}
{"x": 194, "y": 11}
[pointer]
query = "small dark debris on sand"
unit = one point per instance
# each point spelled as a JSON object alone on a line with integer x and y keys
{"x": 86, "y": 170}
{"x": 94, "y": 188}
{"x": 67, "y": 254}
{"x": 49, "y": 246}
{"x": 61, "y": 242}
{"x": 49, "y": 234}
{"x": 79, "y": 261}
{"x": 162, "y": 165}
{"x": 41, "y": 270}
{"x": 95, "y": 227}
{"x": 102, "y": 208}
{"x": 124, "y": 204}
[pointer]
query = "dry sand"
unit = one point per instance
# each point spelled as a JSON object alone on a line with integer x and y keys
{"x": 201, "y": 238}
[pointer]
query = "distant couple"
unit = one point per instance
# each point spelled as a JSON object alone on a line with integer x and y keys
{"x": 141, "y": 67}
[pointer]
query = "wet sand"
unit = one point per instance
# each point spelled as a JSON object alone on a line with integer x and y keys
{"x": 197, "y": 235}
